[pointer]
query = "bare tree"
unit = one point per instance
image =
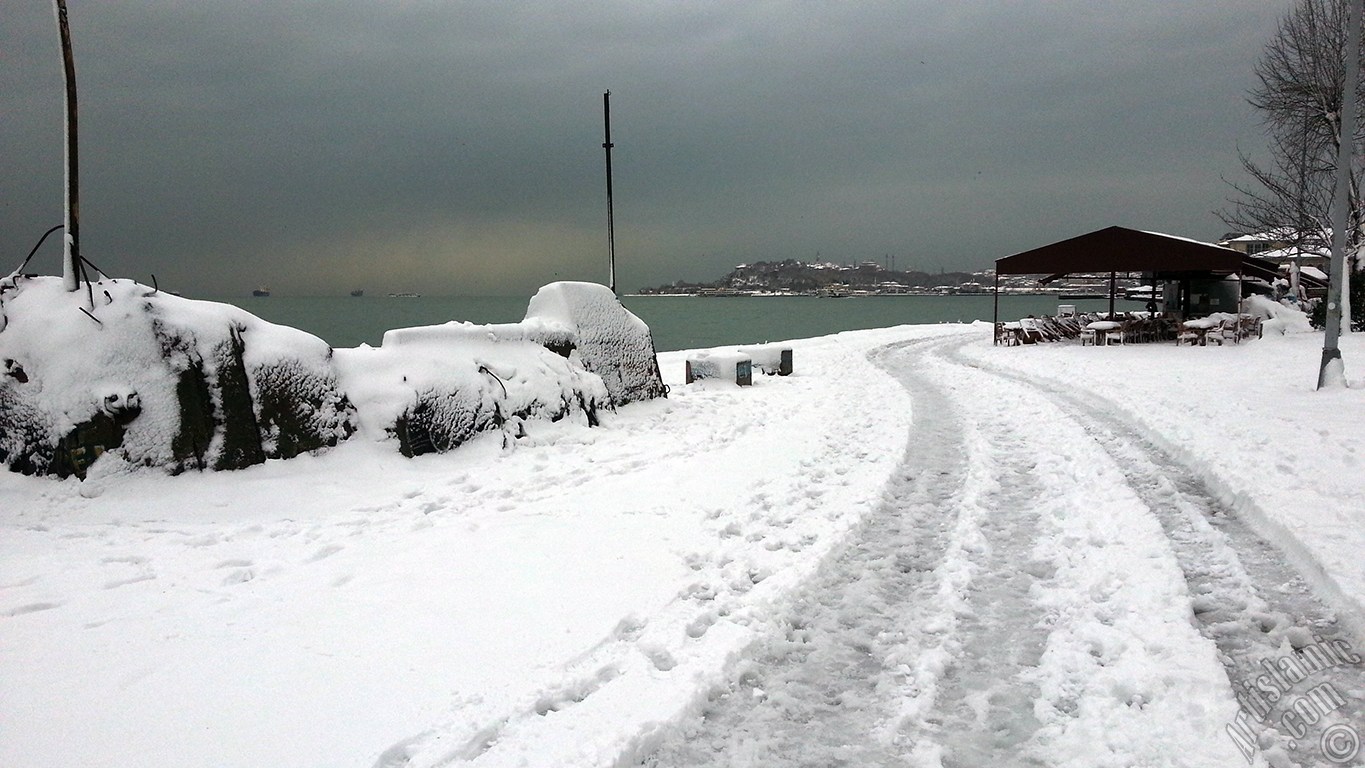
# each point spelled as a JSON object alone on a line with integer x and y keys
{"x": 1299, "y": 89}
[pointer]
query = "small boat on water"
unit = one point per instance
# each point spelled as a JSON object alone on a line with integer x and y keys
{"x": 405, "y": 295}
{"x": 261, "y": 292}
{"x": 357, "y": 292}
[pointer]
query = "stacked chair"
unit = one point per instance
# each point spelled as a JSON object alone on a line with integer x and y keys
{"x": 1137, "y": 328}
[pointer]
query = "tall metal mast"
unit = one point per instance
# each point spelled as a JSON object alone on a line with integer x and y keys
{"x": 71, "y": 253}
{"x": 611, "y": 225}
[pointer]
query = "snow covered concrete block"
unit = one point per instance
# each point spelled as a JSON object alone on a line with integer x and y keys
{"x": 155, "y": 379}
{"x": 218, "y": 426}
{"x": 299, "y": 407}
{"x": 441, "y": 420}
{"x": 554, "y": 336}
{"x": 772, "y": 359}
{"x": 589, "y": 324}
{"x": 437, "y": 387}
{"x": 249, "y": 390}
{"x": 731, "y": 366}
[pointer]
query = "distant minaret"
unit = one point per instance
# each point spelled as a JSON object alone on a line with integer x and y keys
{"x": 71, "y": 252}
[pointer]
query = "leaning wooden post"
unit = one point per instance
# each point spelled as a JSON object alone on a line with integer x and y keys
{"x": 71, "y": 252}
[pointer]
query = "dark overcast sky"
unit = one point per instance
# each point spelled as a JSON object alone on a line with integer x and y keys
{"x": 455, "y": 147}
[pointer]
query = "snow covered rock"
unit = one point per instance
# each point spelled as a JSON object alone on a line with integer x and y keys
{"x": 435, "y": 387}
{"x": 168, "y": 382}
{"x": 159, "y": 380}
{"x": 588, "y": 323}
{"x": 24, "y": 430}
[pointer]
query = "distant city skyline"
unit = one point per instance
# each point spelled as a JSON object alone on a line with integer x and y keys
{"x": 445, "y": 148}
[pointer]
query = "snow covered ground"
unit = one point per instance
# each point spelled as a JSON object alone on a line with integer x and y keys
{"x": 918, "y": 550}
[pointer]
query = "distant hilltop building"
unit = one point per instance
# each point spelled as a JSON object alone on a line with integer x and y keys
{"x": 796, "y": 278}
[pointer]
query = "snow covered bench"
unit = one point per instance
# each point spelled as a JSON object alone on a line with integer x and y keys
{"x": 772, "y": 359}
{"x": 734, "y": 366}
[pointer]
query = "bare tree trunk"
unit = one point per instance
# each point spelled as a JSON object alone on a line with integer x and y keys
{"x": 1338, "y": 295}
{"x": 71, "y": 252}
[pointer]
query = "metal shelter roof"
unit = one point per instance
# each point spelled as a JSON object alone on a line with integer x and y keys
{"x": 1119, "y": 249}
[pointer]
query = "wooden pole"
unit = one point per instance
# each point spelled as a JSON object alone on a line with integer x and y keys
{"x": 71, "y": 252}
{"x": 995, "y": 321}
{"x": 611, "y": 224}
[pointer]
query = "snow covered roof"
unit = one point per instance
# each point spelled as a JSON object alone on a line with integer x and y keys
{"x": 1272, "y": 236}
{"x": 1295, "y": 252}
{"x": 1119, "y": 249}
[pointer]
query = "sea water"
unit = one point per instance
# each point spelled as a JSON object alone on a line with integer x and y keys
{"x": 676, "y": 322}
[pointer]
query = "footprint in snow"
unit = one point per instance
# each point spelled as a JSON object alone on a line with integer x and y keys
{"x": 325, "y": 552}
{"x": 116, "y": 583}
{"x": 660, "y": 658}
{"x": 31, "y": 608}
{"x": 700, "y": 626}
{"x": 239, "y": 576}
{"x": 629, "y": 628}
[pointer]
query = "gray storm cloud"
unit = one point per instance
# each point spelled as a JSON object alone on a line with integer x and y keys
{"x": 455, "y": 147}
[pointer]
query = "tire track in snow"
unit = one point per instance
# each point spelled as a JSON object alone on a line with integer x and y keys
{"x": 1035, "y": 625}
{"x": 1248, "y": 599}
{"x": 812, "y": 692}
{"x": 931, "y": 579}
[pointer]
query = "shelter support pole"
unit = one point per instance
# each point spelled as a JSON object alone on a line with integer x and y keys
{"x": 995, "y": 319}
{"x": 1113, "y": 285}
